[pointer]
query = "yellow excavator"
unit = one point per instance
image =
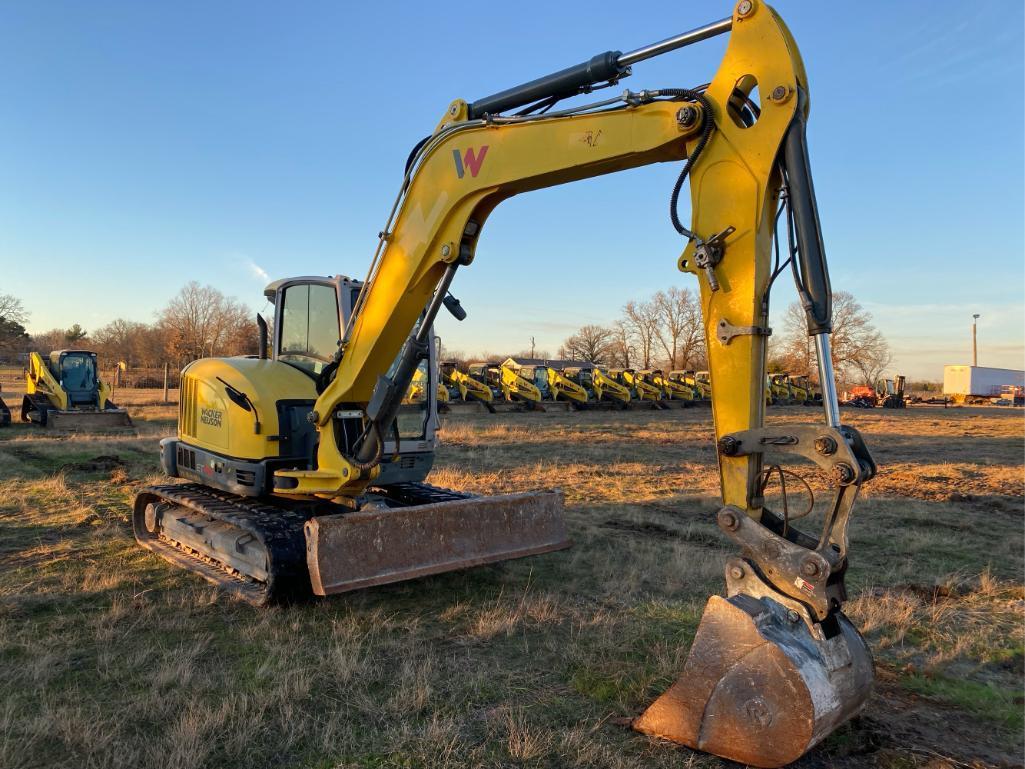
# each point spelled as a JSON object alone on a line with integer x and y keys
{"x": 295, "y": 458}
{"x": 65, "y": 392}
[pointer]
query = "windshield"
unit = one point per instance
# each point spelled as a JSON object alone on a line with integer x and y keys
{"x": 541, "y": 378}
{"x": 78, "y": 372}
{"x": 309, "y": 330}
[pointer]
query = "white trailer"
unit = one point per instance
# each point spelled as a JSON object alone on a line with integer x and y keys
{"x": 964, "y": 382}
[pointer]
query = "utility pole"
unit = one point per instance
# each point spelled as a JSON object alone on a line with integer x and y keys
{"x": 975, "y": 344}
{"x": 531, "y": 347}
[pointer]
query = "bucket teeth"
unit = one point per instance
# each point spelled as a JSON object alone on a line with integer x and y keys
{"x": 759, "y": 688}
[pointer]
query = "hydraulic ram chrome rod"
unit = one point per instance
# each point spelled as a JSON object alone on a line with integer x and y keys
{"x": 679, "y": 41}
{"x": 608, "y": 66}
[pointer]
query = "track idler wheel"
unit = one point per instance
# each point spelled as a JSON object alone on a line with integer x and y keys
{"x": 759, "y": 687}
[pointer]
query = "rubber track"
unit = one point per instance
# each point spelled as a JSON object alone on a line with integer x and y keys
{"x": 278, "y": 528}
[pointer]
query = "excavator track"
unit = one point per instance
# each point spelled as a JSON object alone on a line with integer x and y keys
{"x": 176, "y": 520}
{"x": 277, "y": 531}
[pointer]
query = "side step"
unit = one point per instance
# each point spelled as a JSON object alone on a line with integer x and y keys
{"x": 350, "y": 551}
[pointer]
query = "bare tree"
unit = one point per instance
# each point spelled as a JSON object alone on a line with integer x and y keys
{"x": 679, "y": 330}
{"x": 621, "y": 349}
{"x": 590, "y": 343}
{"x": 11, "y": 309}
{"x": 48, "y": 341}
{"x": 201, "y": 321}
{"x": 642, "y": 321}
{"x": 858, "y": 346}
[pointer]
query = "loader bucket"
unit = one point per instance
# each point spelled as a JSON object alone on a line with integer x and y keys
{"x": 350, "y": 551}
{"x": 110, "y": 420}
{"x": 758, "y": 687}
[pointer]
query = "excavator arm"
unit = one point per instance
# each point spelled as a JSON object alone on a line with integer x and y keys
{"x": 775, "y": 666}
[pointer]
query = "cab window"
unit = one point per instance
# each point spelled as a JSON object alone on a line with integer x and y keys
{"x": 309, "y": 330}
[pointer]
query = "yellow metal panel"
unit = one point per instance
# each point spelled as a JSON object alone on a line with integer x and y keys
{"x": 39, "y": 381}
{"x": 209, "y": 420}
{"x": 734, "y": 185}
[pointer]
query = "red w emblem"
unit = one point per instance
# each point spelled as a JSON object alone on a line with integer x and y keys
{"x": 469, "y": 162}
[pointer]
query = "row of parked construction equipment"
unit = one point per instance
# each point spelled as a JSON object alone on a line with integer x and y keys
{"x": 527, "y": 384}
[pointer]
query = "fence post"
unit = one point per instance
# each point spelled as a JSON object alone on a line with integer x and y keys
{"x": 165, "y": 382}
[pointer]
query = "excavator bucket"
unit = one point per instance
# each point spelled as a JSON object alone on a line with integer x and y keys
{"x": 759, "y": 687}
{"x": 109, "y": 420}
{"x": 351, "y": 551}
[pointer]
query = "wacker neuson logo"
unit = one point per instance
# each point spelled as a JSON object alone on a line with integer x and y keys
{"x": 210, "y": 417}
{"x": 469, "y": 161}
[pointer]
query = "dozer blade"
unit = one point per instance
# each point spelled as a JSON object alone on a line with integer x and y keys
{"x": 350, "y": 551}
{"x": 111, "y": 420}
{"x": 758, "y": 688}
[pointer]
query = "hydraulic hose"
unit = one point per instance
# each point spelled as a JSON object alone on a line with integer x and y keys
{"x": 365, "y": 460}
{"x": 707, "y": 126}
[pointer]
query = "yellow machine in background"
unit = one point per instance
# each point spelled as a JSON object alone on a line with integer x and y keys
{"x": 685, "y": 380}
{"x": 417, "y": 391}
{"x": 775, "y": 666}
{"x": 599, "y": 387}
{"x": 564, "y": 388}
{"x": 671, "y": 390}
{"x": 465, "y": 387}
{"x": 699, "y": 380}
{"x": 778, "y": 387}
{"x": 549, "y": 381}
{"x": 505, "y": 383}
{"x": 65, "y": 392}
{"x": 804, "y": 390}
{"x": 640, "y": 389}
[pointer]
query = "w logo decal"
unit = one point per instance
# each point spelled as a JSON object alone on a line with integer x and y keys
{"x": 469, "y": 161}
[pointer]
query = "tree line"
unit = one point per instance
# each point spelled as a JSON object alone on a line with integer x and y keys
{"x": 666, "y": 331}
{"x": 198, "y": 322}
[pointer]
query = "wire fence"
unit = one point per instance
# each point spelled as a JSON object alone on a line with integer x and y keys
{"x": 139, "y": 378}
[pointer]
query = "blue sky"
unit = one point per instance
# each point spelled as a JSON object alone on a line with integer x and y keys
{"x": 143, "y": 145}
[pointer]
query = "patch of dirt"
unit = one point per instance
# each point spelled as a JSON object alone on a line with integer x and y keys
{"x": 658, "y": 531}
{"x": 101, "y": 464}
{"x": 905, "y": 722}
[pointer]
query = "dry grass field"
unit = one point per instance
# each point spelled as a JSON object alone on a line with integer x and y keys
{"x": 110, "y": 658}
